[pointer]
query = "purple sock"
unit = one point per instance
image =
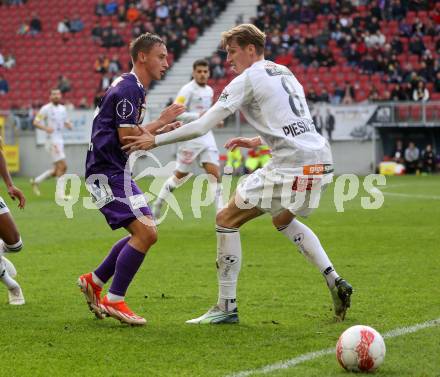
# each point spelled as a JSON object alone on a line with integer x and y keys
{"x": 107, "y": 268}
{"x": 127, "y": 264}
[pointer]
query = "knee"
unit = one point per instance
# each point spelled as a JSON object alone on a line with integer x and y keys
{"x": 283, "y": 219}
{"x": 224, "y": 219}
{"x": 152, "y": 236}
{"x": 148, "y": 237}
{"x": 221, "y": 218}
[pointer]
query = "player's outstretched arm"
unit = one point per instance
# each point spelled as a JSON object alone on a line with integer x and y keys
{"x": 243, "y": 142}
{"x": 13, "y": 191}
{"x": 167, "y": 117}
{"x": 189, "y": 131}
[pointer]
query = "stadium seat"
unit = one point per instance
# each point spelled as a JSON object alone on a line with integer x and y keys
{"x": 402, "y": 113}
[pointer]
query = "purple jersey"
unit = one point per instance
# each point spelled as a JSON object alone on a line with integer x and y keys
{"x": 123, "y": 105}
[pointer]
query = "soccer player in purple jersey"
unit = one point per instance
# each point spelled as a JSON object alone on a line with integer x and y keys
{"x": 120, "y": 114}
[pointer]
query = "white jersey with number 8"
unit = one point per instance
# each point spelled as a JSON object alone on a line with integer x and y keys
{"x": 273, "y": 102}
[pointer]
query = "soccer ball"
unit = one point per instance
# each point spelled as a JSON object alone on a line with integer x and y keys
{"x": 360, "y": 349}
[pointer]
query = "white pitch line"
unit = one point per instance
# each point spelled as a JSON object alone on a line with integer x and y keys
{"x": 314, "y": 355}
{"x": 414, "y": 196}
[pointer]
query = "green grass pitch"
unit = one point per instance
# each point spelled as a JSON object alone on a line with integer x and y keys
{"x": 391, "y": 256}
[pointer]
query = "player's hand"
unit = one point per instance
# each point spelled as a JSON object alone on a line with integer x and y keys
{"x": 15, "y": 192}
{"x": 243, "y": 142}
{"x": 49, "y": 130}
{"x": 169, "y": 127}
{"x": 171, "y": 112}
{"x": 142, "y": 142}
{"x": 68, "y": 125}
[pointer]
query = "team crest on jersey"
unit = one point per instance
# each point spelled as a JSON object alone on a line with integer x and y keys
{"x": 124, "y": 108}
{"x": 224, "y": 96}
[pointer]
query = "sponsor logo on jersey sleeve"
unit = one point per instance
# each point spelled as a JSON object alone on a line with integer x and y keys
{"x": 224, "y": 96}
{"x": 124, "y": 108}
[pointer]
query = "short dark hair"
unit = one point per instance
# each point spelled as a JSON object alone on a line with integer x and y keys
{"x": 144, "y": 43}
{"x": 202, "y": 62}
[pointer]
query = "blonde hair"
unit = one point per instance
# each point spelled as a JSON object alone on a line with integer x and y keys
{"x": 244, "y": 35}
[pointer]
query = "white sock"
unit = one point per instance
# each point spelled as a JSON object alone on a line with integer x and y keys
{"x": 228, "y": 266}
{"x": 5, "y": 278}
{"x": 218, "y": 195}
{"x": 170, "y": 184}
{"x": 309, "y": 245}
{"x": 14, "y": 248}
{"x": 97, "y": 280}
{"x": 43, "y": 176}
{"x": 114, "y": 298}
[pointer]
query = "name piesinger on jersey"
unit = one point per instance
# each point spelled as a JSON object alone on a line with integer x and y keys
{"x": 297, "y": 128}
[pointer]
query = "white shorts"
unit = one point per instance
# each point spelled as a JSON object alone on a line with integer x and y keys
{"x": 56, "y": 150}
{"x": 274, "y": 190}
{"x": 3, "y": 207}
{"x": 186, "y": 157}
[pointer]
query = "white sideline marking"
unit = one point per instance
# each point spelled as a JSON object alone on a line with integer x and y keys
{"x": 314, "y": 355}
{"x": 414, "y": 196}
{"x": 404, "y": 195}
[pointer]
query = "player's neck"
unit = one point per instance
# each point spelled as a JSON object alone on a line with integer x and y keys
{"x": 257, "y": 59}
{"x": 143, "y": 77}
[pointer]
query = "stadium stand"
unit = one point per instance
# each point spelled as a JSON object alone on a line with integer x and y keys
{"x": 373, "y": 51}
{"x": 377, "y": 47}
{"x": 41, "y": 58}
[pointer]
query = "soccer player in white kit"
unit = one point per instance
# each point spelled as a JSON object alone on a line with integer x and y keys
{"x": 10, "y": 240}
{"x": 273, "y": 102}
{"x": 197, "y": 97}
{"x": 52, "y": 118}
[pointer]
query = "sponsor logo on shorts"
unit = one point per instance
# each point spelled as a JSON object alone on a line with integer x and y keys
{"x": 317, "y": 169}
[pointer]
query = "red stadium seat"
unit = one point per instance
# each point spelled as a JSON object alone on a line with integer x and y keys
{"x": 402, "y": 113}
{"x": 416, "y": 113}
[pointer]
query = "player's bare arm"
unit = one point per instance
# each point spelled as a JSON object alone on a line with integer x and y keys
{"x": 243, "y": 142}
{"x": 39, "y": 124}
{"x": 125, "y": 132}
{"x": 13, "y": 191}
{"x": 189, "y": 131}
{"x": 167, "y": 117}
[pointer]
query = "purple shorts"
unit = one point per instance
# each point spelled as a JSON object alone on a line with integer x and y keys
{"x": 125, "y": 206}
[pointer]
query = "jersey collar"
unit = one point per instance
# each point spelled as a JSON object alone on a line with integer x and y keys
{"x": 137, "y": 79}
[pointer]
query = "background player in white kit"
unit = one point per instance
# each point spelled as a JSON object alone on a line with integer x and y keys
{"x": 10, "y": 240}
{"x": 52, "y": 118}
{"x": 273, "y": 102}
{"x": 197, "y": 97}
